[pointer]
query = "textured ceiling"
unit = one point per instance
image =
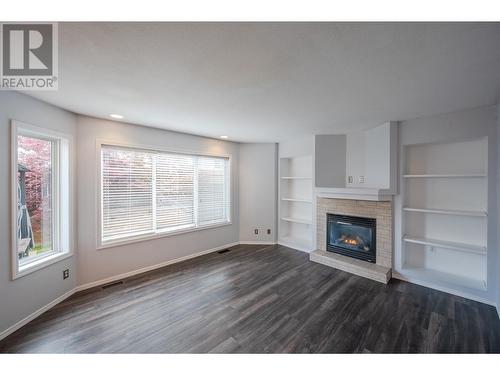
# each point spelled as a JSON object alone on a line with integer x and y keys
{"x": 263, "y": 82}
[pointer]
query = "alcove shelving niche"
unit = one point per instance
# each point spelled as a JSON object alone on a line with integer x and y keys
{"x": 444, "y": 218}
{"x": 295, "y": 192}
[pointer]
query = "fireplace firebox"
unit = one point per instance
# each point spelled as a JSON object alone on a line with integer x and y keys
{"x": 352, "y": 236}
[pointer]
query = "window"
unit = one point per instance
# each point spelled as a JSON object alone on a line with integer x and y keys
{"x": 151, "y": 193}
{"x": 40, "y": 185}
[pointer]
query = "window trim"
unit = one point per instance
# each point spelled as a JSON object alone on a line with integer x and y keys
{"x": 62, "y": 252}
{"x": 148, "y": 237}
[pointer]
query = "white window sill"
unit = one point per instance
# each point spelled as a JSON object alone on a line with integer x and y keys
{"x": 149, "y": 237}
{"x": 40, "y": 263}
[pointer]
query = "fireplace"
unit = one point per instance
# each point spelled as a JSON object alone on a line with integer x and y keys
{"x": 352, "y": 236}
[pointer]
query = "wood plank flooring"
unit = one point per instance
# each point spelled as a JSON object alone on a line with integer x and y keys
{"x": 259, "y": 299}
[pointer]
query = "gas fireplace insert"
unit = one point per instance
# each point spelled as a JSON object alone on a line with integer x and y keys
{"x": 352, "y": 236}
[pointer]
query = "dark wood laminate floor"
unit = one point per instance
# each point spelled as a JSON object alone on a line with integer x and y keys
{"x": 257, "y": 299}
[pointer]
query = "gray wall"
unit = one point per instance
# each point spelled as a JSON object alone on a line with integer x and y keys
{"x": 498, "y": 208}
{"x": 21, "y": 297}
{"x": 330, "y": 160}
{"x": 456, "y": 126}
{"x": 258, "y": 191}
{"x": 95, "y": 265}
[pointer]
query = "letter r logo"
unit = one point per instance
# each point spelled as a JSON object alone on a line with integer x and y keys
{"x": 27, "y": 49}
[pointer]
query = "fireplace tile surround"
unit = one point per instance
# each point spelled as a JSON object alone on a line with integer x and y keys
{"x": 379, "y": 210}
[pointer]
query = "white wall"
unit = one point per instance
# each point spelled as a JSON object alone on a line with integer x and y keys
{"x": 95, "y": 265}
{"x": 258, "y": 191}
{"x": 378, "y": 156}
{"x": 458, "y": 126}
{"x": 297, "y": 147}
{"x": 355, "y": 158}
{"x": 23, "y": 296}
{"x": 372, "y": 154}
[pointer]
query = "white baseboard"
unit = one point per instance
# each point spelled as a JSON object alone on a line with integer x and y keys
{"x": 36, "y": 314}
{"x": 430, "y": 285}
{"x": 151, "y": 268}
{"x": 258, "y": 242}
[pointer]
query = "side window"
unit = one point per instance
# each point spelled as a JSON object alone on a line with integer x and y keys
{"x": 41, "y": 187}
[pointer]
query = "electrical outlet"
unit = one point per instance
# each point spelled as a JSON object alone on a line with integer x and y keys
{"x": 349, "y": 179}
{"x": 256, "y": 231}
{"x": 65, "y": 274}
{"x": 269, "y": 231}
{"x": 361, "y": 179}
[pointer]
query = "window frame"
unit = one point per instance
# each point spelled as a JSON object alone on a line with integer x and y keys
{"x": 100, "y": 245}
{"x": 62, "y": 185}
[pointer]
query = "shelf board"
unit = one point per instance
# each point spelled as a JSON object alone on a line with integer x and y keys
{"x": 296, "y": 243}
{"x": 446, "y": 211}
{"x": 470, "y": 175}
{"x": 480, "y": 250}
{"x": 297, "y": 200}
{"x": 433, "y": 276}
{"x": 295, "y": 178}
{"x": 297, "y": 220}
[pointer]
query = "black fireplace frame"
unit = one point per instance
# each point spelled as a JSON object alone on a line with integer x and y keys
{"x": 361, "y": 221}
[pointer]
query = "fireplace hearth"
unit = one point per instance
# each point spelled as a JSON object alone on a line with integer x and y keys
{"x": 367, "y": 258}
{"x": 352, "y": 236}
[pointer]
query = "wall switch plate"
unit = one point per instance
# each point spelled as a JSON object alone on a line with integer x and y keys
{"x": 349, "y": 179}
{"x": 65, "y": 274}
{"x": 256, "y": 231}
{"x": 269, "y": 231}
{"x": 361, "y": 179}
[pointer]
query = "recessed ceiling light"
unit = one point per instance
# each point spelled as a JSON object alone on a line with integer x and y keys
{"x": 224, "y": 136}
{"x": 114, "y": 115}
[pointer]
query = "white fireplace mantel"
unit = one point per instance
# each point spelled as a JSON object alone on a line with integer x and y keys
{"x": 366, "y": 194}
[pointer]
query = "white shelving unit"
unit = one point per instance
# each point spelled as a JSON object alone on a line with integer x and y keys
{"x": 468, "y": 248}
{"x": 444, "y": 218}
{"x": 444, "y": 279}
{"x": 306, "y": 221}
{"x": 305, "y": 200}
{"x": 295, "y": 204}
{"x": 446, "y": 212}
{"x": 475, "y": 175}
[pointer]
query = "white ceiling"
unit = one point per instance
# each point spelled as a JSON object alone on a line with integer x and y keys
{"x": 262, "y": 82}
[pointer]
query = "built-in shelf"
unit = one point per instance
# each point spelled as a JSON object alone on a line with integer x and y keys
{"x": 305, "y": 200}
{"x": 437, "y": 277}
{"x": 296, "y": 243}
{"x": 445, "y": 219}
{"x": 470, "y": 175}
{"x": 468, "y": 248}
{"x": 297, "y": 220}
{"x": 446, "y": 211}
{"x": 295, "y": 200}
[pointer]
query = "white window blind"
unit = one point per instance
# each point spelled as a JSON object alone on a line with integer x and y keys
{"x": 174, "y": 192}
{"x": 127, "y": 193}
{"x": 147, "y": 193}
{"x": 211, "y": 190}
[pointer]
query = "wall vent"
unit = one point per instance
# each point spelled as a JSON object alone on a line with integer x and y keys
{"x": 112, "y": 284}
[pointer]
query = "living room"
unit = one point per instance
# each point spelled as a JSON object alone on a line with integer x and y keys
{"x": 247, "y": 187}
